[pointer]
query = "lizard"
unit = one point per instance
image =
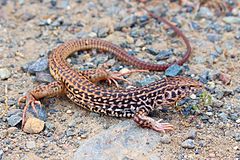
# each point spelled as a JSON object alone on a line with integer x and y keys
{"x": 134, "y": 103}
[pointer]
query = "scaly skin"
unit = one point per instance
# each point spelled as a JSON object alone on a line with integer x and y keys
{"x": 136, "y": 103}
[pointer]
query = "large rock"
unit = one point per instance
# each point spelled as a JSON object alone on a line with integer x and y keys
{"x": 125, "y": 140}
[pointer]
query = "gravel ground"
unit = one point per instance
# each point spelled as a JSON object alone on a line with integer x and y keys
{"x": 206, "y": 125}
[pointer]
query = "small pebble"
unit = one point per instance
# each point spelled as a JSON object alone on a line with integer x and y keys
{"x": 225, "y": 78}
{"x": 69, "y": 111}
{"x": 40, "y": 65}
{"x": 50, "y": 126}
{"x": 41, "y": 112}
{"x": 4, "y": 73}
{"x": 13, "y": 120}
{"x": 173, "y": 70}
{"x": 30, "y": 144}
{"x": 189, "y": 143}
{"x": 192, "y": 134}
{"x": 204, "y": 12}
{"x": 194, "y": 25}
{"x": 11, "y": 130}
{"x": 3, "y": 134}
{"x": 70, "y": 132}
{"x": 127, "y": 22}
{"x": 43, "y": 77}
{"x": 152, "y": 51}
{"x": 213, "y": 37}
{"x": 217, "y": 103}
{"x": 238, "y": 121}
{"x": 165, "y": 54}
{"x": 223, "y": 116}
{"x": 139, "y": 43}
{"x": 1, "y": 154}
{"x": 27, "y": 16}
{"x": 237, "y": 137}
{"x": 33, "y": 125}
{"x": 165, "y": 139}
{"x": 231, "y": 20}
{"x": 193, "y": 96}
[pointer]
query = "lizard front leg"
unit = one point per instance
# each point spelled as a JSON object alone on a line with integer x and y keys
{"x": 144, "y": 121}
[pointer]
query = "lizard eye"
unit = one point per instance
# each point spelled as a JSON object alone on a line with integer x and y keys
{"x": 183, "y": 87}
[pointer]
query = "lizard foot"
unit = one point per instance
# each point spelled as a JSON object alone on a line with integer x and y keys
{"x": 148, "y": 122}
{"x": 29, "y": 101}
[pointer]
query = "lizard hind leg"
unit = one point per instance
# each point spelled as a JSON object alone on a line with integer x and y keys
{"x": 144, "y": 121}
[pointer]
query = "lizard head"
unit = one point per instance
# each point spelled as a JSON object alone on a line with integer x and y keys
{"x": 177, "y": 88}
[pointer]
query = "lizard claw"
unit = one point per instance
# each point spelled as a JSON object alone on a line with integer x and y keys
{"x": 162, "y": 127}
{"x": 29, "y": 101}
{"x": 148, "y": 122}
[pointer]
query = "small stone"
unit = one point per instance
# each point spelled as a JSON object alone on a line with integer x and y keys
{"x": 130, "y": 40}
{"x": 233, "y": 116}
{"x": 204, "y": 77}
{"x": 70, "y": 132}
{"x": 128, "y": 21}
{"x": 237, "y": 89}
{"x": 237, "y": 136}
{"x": 212, "y": 37}
{"x": 237, "y": 36}
{"x": 33, "y": 125}
{"x": 40, "y": 65}
{"x": 50, "y": 126}
{"x": 82, "y": 134}
{"x": 41, "y": 112}
{"x": 69, "y": 111}
{"x": 192, "y": 134}
{"x": 165, "y": 139}
{"x": 30, "y": 144}
{"x": 165, "y": 54}
{"x": 72, "y": 123}
{"x": 226, "y": 79}
{"x": 223, "y": 116}
{"x": 30, "y": 156}
{"x": 231, "y": 20}
{"x": 13, "y": 120}
{"x": 27, "y": 16}
{"x": 189, "y": 143}
{"x": 1, "y": 154}
{"x": 139, "y": 43}
{"x": 143, "y": 18}
{"x": 204, "y": 12}
{"x": 11, "y": 102}
{"x": 3, "y": 134}
{"x": 152, "y": 51}
{"x": 212, "y": 155}
{"x": 193, "y": 96}
{"x": 218, "y": 49}
{"x": 11, "y": 130}
{"x": 228, "y": 28}
{"x": 124, "y": 71}
{"x": 194, "y": 25}
{"x": 43, "y": 77}
{"x": 209, "y": 113}
{"x": 4, "y": 73}
{"x": 217, "y": 103}
{"x": 173, "y": 70}
{"x": 238, "y": 121}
